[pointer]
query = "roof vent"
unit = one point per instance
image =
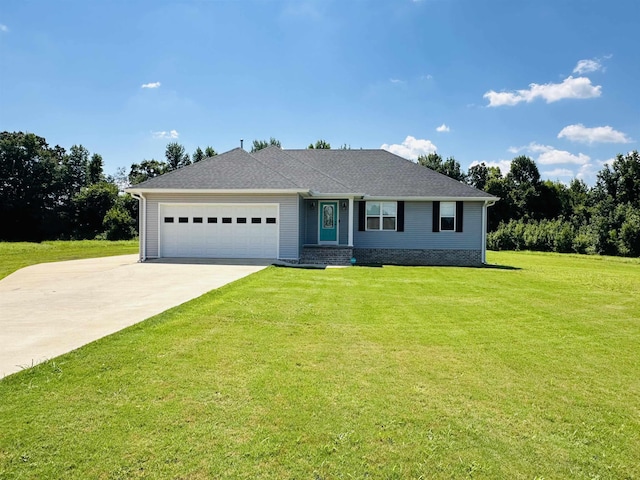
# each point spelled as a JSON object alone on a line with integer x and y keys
{"x": 241, "y": 142}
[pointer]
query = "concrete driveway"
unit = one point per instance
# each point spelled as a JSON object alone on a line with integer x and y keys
{"x": 52, "y": 308}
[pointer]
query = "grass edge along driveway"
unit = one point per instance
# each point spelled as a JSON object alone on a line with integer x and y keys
{"x": 383, "y": 372}
{"x": 17, "y": 255}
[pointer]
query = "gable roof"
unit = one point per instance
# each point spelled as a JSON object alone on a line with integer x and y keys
{"x": 373, "y": 173}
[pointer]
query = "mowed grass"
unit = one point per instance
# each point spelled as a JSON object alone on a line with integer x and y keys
{"x": 16, "y": 255}
{"x": 530, "y": 372}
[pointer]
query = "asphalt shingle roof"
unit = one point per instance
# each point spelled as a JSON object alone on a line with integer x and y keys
{"x": 365, "y": 172}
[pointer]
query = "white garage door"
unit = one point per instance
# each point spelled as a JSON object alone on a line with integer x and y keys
{"x": 219, "y": 231}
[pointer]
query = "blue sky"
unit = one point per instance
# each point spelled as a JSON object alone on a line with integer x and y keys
{"x": 488, "y": 80}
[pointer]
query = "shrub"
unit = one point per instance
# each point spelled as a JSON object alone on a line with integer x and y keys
{"x": 118, "y": 224}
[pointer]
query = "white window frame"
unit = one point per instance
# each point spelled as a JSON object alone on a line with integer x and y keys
{"x": 453, "y": 204}
{"x": 381, "y": 217}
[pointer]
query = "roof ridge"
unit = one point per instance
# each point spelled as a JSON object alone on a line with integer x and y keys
{"x": 318, "y": 170}
{"x": 273, "y": 169}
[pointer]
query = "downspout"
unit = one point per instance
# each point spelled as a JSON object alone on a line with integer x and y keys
{"x": 486, "y": 205}
{"x": 142, "y": 208}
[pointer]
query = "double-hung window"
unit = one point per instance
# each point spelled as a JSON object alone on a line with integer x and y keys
{"x": 382, "y": 215}
{"x": 447, "y": 216}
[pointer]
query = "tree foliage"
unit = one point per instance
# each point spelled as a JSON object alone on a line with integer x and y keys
{"x": 260, "y": 144}
{"x": 449, "y": 167}
{"x": 210, "y": 152}
{"x": 546, "y": 215}
{"x": 320, "y": 145}
{"x": 176, "y": 156}
{"x": 145, "y": 170}
{"x": 47, "y": 192}
{"x": 198, "y": 155}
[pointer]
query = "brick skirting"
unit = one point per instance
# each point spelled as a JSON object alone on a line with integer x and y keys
{"x": 327, "y": 255}
{"x": 400, "y": 256}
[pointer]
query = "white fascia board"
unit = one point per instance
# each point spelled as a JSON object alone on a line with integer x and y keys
{"x": 431, "y": 199}
{"x": 210, "y": 191}
{"x": 334, "y": 195}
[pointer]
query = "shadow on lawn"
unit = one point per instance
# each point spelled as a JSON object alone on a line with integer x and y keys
{"x": 500, "y": 267}
{"x": 487, "y": 265}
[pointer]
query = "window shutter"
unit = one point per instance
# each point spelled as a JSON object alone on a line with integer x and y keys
{"x": 436, "y": 216}
{"x": 361, "y": 216}
{"x": 400, "y": 219}
{"x": 459, "y": 212}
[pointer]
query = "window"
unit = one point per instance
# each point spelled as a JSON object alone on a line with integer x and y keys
{"x": 241, "y": 220}
{"x": 183, "y": 219}
{"x": 381, "y": 215}
{"x": 271, "y": 220}
{"x": 168, "y": 219}
{"x": 226, "y": 219}
{"x": 256, "y": 220}
{"x": 212, "y": 219}
{"x": 447, "y": 216}
{"x": 197, "y": 219}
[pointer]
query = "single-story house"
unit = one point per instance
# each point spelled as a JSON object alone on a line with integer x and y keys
{"x": 313, "y": 206}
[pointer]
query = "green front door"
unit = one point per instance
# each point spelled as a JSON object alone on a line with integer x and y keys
{"x": 328, "y": 231}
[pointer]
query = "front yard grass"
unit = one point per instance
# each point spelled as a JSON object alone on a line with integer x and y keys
{"x": 393, "y": 372}
{"x": 16, "y": 255}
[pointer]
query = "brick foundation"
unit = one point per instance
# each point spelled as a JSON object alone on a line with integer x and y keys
{"x": 327, "y": 255}
{"x": 399, "y": 256}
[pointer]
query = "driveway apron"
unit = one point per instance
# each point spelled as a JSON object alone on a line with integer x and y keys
{"x": 52, "y": 308}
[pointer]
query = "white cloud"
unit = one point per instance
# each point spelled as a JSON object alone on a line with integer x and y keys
{"x": 588, "y": 66}
{"x": 3, "y": 28}
{"x": 587, "y": 173}
{"x": 548, "y": 155}
{"x": 428, "y": 76}
{"x": 570, "y": 87}
{"x": 411, "y": 148}
{"x": 397, "y": 81}
{"x": 580, "y": 133}
{"x": 559, "y": 172}
{"x": 443, "y": 128}
{"x": 171, "y": 134}
{"x": 609, "y": 161}
{"x": 151, "y": 85}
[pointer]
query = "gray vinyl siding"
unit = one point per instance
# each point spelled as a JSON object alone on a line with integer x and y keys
{"x": 343, "y": 223}
{"x": 311, "y": 223}
{"x": 417, "y": 230}
{"x": 302, "y": 219}
{"x": 288, "y": 222}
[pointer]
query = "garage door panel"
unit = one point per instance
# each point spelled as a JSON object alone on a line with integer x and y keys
{"x": 217, "y": 232}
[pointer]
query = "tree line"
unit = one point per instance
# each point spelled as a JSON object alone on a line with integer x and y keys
{"x": 545, "y": 215}
{"x": 51, "y": 193}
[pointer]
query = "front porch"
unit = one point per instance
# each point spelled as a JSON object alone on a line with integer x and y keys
{"x": 326, "y": 235}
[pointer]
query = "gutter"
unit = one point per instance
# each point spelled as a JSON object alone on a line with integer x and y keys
{"x": 142, "y": 211}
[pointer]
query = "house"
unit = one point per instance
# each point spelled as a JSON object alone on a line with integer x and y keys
{"x": 313, "y": 206}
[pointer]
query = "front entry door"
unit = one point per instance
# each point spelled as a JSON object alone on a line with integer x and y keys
{"x": 328, "y": 231}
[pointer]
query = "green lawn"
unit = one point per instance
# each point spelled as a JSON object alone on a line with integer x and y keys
{"x": 528, "y": 372}
{"x": 14, "y": 256}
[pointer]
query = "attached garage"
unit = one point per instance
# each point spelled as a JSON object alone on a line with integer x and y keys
{"x": 208, "y": 230}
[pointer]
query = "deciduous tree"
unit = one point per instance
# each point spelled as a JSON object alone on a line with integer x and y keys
{"x": 176, "y": 156}
{"x": 320, "y": 145}
{"x": 145, "y": 170}
{"x": 260, "y": 144}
